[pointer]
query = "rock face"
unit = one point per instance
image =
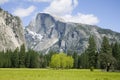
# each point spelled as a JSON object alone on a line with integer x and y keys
{"x": 47, "y": 32}
{"x": 11, "y": 31}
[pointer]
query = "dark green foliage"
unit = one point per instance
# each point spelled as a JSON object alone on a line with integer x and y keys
{"x": 75, "y": 57}
{"x": 31, "y": 59}
{"x": 27, "y": 59}
{"x": 116, "y": 50}
{"x": 6, "y": 59}
{"x": 105, "y": 46}
{"x": 105, "y": 59}
{"x": 116, "y": 53}
{"x": 1, "y": 59}
{"x": 83, "y": 60}
{"x": 43, "y": 61}
{"x": 92, "y": 54}
{"x": 105, "y": 56}
{"x": 22, "y": 56}
{"x": 9, "y": 59}
{"x": 15, "y": 58}
{"x": 19, "y": 58}
{"x": 34, "y": 57}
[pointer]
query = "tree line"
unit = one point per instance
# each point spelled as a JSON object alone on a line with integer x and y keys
{"x": 107, "y": 57}
{"x": 19, "y": 58}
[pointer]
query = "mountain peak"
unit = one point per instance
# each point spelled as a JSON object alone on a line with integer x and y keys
{"x": 59, "y": 35}
{"x": 57, "y": 18}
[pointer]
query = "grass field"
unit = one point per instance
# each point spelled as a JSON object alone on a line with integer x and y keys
{"x": 49, "y": 74}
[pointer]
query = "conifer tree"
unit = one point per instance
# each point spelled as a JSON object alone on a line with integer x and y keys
{"x": 116, "y": 53}
{"x": 106, "y": 58}
{"x": 92, "y": 52}
{"x": 22, "y": 56}
{"x": 34, "y": 63}
{"x": 105, "y": 46}
{"x": 7, "y": 59}
{"x": 15, "y": 58}
{"x": 75, "y": 57}
{"x": 84, "y": 60}
{"x": 27, "y": 59}
{"x": 1, "y": 59}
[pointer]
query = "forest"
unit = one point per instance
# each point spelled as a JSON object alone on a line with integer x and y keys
{"x": 107, "y": 57}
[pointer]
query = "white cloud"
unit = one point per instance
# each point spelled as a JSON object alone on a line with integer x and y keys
{"x": 23, "y": 12}
{"x": 82, "y": 18}
{"x": 40, "y": 0}
{"x": 61, "y": 7}
{"x": 64, "y": 9}
{"x": 3, "y": 1}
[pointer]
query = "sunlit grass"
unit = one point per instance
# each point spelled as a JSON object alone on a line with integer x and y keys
{"x": 50, "y": 74}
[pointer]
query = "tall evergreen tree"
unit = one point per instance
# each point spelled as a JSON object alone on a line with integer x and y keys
{"x": 116, "y": 50}
{"x": 15, "y": 58}
{"x": 84, "y": 60}
{"x": 92, "y": 52}
{"x": 1, "y": 59}
{"x": 27, "y": 59}
{"x": 7, "y": 59}
{"x": 22, "y": 56}
{"x": 34, "y": 63}
{"x": 105, "y": 46}
{"x": 106, "y": 58}
{"x": 75, "y": 57}
{"x": 43, "y": 61}
{"x": 116, "y": 53}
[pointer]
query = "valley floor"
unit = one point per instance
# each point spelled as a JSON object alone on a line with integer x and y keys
{"x": 50, "y": 74}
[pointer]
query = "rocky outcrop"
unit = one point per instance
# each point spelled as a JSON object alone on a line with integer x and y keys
{"x": 11, "y": 31}
{"x": 47, "y": 32}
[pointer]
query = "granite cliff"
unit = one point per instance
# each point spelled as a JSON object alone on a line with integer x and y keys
{"x": 47, "y": 32}
{"x": 11, "y": 31}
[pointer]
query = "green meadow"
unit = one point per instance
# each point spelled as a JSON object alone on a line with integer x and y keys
{"x": 50, "y": 74}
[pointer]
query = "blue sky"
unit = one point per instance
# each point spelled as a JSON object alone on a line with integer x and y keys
{"x": 104, "y": 13}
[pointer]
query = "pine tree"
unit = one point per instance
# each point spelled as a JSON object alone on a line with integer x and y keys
{"x": 1, "y": 59}
{"x": 43, "y": 60}
{"x": 106, "y": 58}
{"x": 27, "y": 59}
{"x": 75, "y": 57}
{"x": 84, "y": 60}
{"x": 105, "y": 46}
{"x": 34, "y": 63}
{"x": 7, "y": 59}
{"x": 116, "y": 50}
{"x": 116, "y": 53}
{"x": 22, "y": 56}
{"x": 92, "y": 52}
{"x": 15, "y": 58}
